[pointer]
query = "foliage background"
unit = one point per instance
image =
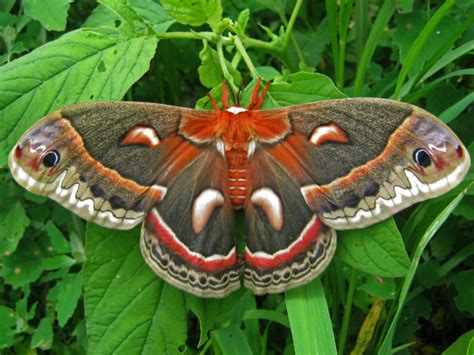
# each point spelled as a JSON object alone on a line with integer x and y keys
{"x": 62, "y": 282}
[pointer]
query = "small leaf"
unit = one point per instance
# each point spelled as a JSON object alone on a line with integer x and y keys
{"x": 43, "y": 335}
{"x": 58, "y": 240}
{"x": 194, "y": 12}
{"x": 303, "y": 87}
{"x": 24, "y": 265}
{"x": 463, "y": 283}
{"x": 7, "y": 327}
{"x": 210, "y": 72}
{"x": 12, "y": 226}
{"x": 51, "y": 13}
{"x": 377, "y": 250}
{"x": 69, "y": 291}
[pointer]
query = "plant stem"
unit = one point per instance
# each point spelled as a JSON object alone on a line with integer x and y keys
{"x": 243, "y": 52}
{"x": 227, "y": 76}
{"x": 347, "y": 312}
{"x": 291, "y": 23}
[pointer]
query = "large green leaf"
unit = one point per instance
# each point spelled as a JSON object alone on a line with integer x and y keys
{"x": 377, "y": 250}
{"x": 79, "y": 66}
{"x": 128, "y": 308}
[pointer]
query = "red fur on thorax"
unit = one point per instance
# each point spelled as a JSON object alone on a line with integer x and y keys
{"x": 236, "y": 131}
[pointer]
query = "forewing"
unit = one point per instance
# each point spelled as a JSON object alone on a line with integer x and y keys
{"x": 286, "y": 245}
{"x": 359, "y": 161}
{"x": 188, "y": 238}
{"x": 109, "y": 155}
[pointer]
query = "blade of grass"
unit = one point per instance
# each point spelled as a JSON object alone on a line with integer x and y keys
{"x": 452, "y": 112}
{"x": 347, "y": 312}
{"x": 310, "y": 323}
{"x": 331, "y": 10}
{"x": 345, "y": 11}
{"x": 419, "y": 43}
{"x": 385, "y": 14}
{"x": 438, "y": 221}
{"x": 443, "y": 50}
{"x": 361, "y": 25}
{"x": 414, "y": 96}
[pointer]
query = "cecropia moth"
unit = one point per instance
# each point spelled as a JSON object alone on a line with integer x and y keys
{"x": 299, "y": 173}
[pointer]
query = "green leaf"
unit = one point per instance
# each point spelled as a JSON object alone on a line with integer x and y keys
{"x": 58, "y": 241}
{"x": 127, "y": 306}
{"x": 66, "y": 294}
{"x": 12, "y": 226}
{"x": 210, "y": 73}
{"x": 64, "y": 72}
{"x": 382, "y": 288}
{"x": 43, "y": 335}
{"x": 24, "y": 265}
{"x": 377, "y": 250}
{"x": 152, "y": 14}
{"x": 463, "y": 284}
{"x": 194, "y": 12}
{"x": 460, "y": 346}
{"x": 311, "y": 325}
{"x": 51, "y": 13}
{"x": 7, "y": 327}
{"x": 211, "y": 311}
{"x": 231, "y": 340}
{"x": 302, "y": 87}
{"x": 436, "y": 223}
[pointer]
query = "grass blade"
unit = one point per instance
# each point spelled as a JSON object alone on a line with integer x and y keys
{"x": 420, "y": 42}
{"x": 385, "y": 14}
{"x": 438, "y": 221}
{"x": 310, "y": 323}
{"x": 452, "y": 112}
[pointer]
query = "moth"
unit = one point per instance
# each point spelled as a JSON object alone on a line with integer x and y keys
{"x": 299, "y": 173}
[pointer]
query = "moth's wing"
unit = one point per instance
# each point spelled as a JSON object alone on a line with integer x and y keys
{"x": 359, "y": 161}
{"x": 109, "y": 155}
{"x": 188, "y": 237}
{"x": 286, "y": 244}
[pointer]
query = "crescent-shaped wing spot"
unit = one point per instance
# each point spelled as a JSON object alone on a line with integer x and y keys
{"x": 328, "y": 133}
{"x": 203, "y": 206}
{"x": 270, "y": 203}
{"x": 141, "y": 135}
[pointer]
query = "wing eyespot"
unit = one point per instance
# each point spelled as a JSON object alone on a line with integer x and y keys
{"x": 51, "y": 159}
{"x": 421, "y": 157}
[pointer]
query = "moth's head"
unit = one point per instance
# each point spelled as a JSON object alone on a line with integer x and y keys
{"x": 40, "y": 156}
{"x": 438, "y": 158}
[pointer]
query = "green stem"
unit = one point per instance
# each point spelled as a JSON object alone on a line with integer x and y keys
{"x": 227, "y": 76}
{"x": 291, "y": 23}
{"x": 243, "y": 52}
{"x": 347, "y": 312}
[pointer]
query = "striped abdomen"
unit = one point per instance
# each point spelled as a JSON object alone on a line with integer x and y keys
{"x": 237, "y": 175}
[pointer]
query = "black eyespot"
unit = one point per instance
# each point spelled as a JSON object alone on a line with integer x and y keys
{"x": 51, "y": 159}
{"x": 421, "y": 157}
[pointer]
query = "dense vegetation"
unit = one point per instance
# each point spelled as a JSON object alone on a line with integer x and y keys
{"x": 69, "y": 287}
